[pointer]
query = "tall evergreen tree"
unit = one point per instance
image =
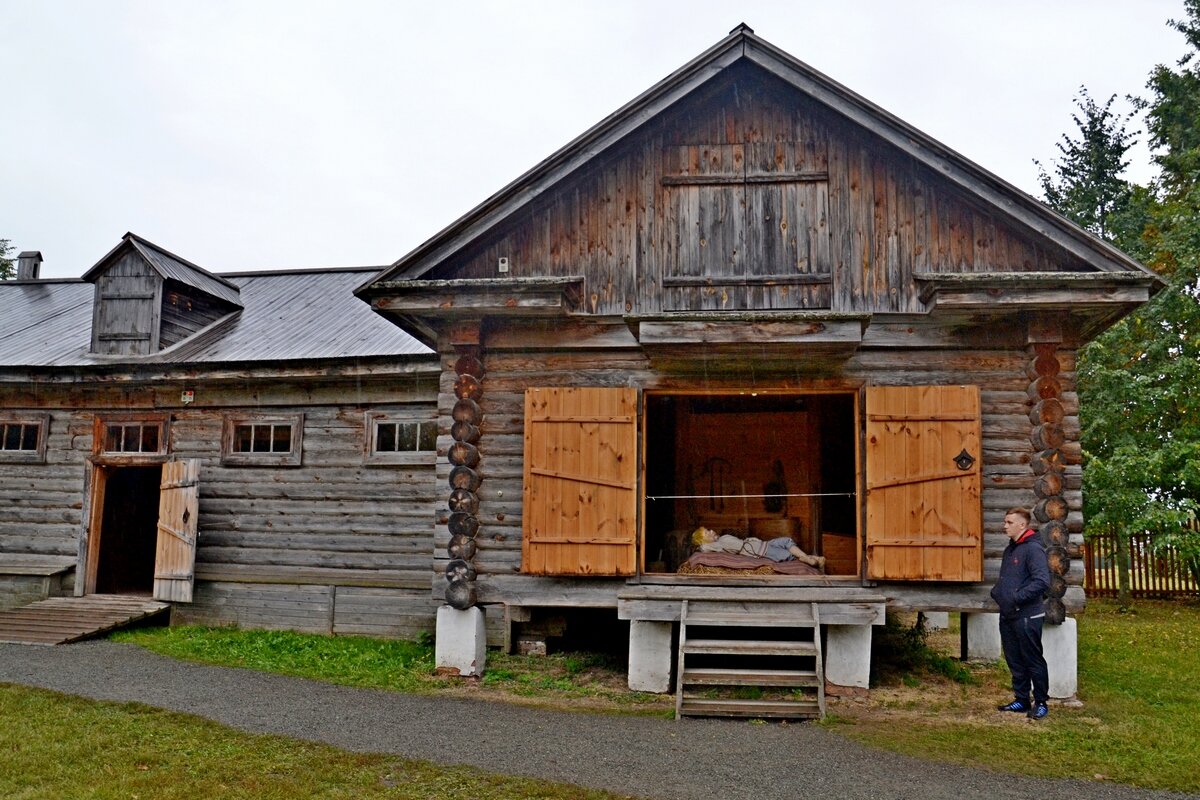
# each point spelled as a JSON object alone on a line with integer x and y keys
{"x": 6, "y": 264}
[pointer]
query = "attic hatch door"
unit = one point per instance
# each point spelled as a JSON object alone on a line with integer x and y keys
{"x": 924, "y": 516}
{"x": 175, "y": 557}
{"x": 750, "y": 227}
{"x": 580, "y": 504}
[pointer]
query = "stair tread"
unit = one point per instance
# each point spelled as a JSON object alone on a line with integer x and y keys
{"x": 749, "y": 647}
{"x": 757, "y": 620}
{"x": 750, "y": 677}
{"x": 750, "y": 708}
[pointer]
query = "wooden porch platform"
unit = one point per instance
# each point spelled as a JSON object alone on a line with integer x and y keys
{"x": 68, "y": 619}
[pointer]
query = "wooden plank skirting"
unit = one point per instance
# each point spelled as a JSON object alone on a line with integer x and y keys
{"x": 68, "y": 619}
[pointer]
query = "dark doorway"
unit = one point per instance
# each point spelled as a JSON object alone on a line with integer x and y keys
{"x": 129, "y": 531}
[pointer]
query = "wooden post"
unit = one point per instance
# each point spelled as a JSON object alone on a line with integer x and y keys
{"x": 465, "y": 478}
{"x": 1049, "y": 443}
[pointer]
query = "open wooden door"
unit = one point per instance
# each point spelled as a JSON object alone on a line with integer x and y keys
{"x": 580, "y": 504}
{"x": 924, "y": 516}
{"x": 175, "y": 558}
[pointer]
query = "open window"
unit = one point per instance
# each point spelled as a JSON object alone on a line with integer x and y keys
{"x": 758, "y": 464}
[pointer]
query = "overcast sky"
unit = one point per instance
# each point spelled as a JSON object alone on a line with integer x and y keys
{"x": 259, "y": 135}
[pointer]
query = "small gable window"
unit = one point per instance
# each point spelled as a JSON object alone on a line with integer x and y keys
{"x": 132, "y": 436}
{"x": 23, "y": 438}
{"x": 259, "y": 440}
{"x": 394, "y": 439}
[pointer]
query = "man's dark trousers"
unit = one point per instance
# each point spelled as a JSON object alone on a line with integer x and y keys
{"x": 1021, "y": 639}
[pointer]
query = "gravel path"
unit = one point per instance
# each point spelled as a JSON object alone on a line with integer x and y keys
{"x": 631, "y": 755}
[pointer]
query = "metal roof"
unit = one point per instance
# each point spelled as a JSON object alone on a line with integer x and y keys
{"x": 285, "y": 316}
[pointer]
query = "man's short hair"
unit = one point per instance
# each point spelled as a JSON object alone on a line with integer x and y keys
{"x": 1020, "y": 512}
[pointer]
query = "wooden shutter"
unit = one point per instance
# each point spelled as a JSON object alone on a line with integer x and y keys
{"x": 924, "y": 519}
{"x": 580, "y": 509}
{"x": 175, "y": 558}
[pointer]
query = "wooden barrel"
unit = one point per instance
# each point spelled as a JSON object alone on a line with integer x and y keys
{"x": 1048, "y": 484}
{"x": 1047, "y": 436}
{"x": 1044, "y": 388}
{"x": 1054, "y": 534}
{"x": 467, "y": 410}
{"x": 1044, "y": 363}
{"x": 468, "y": 387}
{"x": 463, "y": 477}
{"x": 463, "y": 454}
{"x": 461, "y": 594}
{"x": 464, "y": 432}
{"x": 1047, "y": 461}
{"x": 1058, "y": 560}
{"x": 462, "y": 500}
{"x": 1056, "y": 612}
{"x": 1050, "y": 410}
{"x": 459, "y": 570}
{"x": 462, "y": 548}
{"x": 469, "y": 364}
{"x": 462, "y": 524}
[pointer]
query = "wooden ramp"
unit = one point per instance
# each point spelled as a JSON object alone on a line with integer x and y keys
{"x": 68, "y": 619}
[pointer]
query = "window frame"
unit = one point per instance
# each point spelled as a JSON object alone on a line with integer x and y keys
{"x": 100, "y": 437}
{"x": 232, "y": 457}
{"x": 38, "y": 454}
{"x": 373, "y": 457}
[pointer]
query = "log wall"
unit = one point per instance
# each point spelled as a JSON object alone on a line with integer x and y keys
{"x": 334, "y": 545}
{"x": 772, "y": 197}
{"x": 608, "y": 356}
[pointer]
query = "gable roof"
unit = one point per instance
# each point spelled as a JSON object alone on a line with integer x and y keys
{"x": 170, "y": 267}
{"x": 285, "y": 316}
{"x": 743, "y": 45}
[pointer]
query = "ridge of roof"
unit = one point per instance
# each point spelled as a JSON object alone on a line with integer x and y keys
{"x": 742, "y": 43}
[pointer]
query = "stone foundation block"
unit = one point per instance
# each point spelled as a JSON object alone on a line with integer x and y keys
{"x": 1060, "y": 645}
{"x": 848, "y": 655}
{"x": 936, "y": 620}
{"x": 649, "y": 656}
{"x": 461, "y": 640}
{"x": 981, "y": 636}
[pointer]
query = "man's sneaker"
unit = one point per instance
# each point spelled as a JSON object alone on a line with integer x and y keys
{"x": 1037, "y": 711}
{"x": 1018, "y": 706}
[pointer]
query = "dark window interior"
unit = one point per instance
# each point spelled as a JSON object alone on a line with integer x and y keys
{"x": 129, "y": 531}
{"x": 750, "y": 464}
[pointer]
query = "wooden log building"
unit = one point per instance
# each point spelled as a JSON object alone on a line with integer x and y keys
{"x": 749, "y": 300}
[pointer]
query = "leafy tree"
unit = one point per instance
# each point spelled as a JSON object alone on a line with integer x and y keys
{"x": 1086, "y": 185}
{"x": 1140, "y": 419}
{"x": 6, "y": 264}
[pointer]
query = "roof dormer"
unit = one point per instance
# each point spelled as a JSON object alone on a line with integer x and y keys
{"x": 148, "y": 299}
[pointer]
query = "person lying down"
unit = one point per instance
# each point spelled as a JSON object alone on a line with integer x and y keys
{"x": 706, "y": 540}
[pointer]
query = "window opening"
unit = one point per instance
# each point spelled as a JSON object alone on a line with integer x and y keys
{"x": 133, "y": 437}
{"x": 400, "y": 440}
{"x": 752, "y": 464}
{"x": 23, "y": 438}
{"x": 262, "y": 440}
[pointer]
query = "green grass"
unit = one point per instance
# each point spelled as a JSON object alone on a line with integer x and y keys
{"x": 582, "y": 681}
{"x": 1137, "y": 725}
{"x": 53, "y": 746}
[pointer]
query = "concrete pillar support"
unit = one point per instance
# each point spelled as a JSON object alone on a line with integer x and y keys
{"x": 981, "y": 633}
{"x": 649, "y": 656}
{"x": 1060, "y": 645}
{"x": 936, "y": 620}
{"x": 461, "y": 640}
{"x": 848, "y": 656}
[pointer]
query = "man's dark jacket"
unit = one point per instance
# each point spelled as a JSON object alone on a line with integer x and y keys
{"x": 1024, "y": 578}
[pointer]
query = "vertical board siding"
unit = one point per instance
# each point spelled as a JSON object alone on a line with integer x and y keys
{"x": 876, "y": 218}
{"x": 175, "y": 550}
{"x": 580, "y": 476}
{"x": 923, "y": 511}
{"x": 125, "y": 320}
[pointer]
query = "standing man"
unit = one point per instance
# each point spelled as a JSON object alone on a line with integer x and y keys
{"x": 1024, "y": 579}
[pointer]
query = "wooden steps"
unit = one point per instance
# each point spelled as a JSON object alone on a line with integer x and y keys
{"x": 68, "y": 619}
{"x": 729, "y": 666}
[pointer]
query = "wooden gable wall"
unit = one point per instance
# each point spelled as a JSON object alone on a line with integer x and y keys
{"x": 749, "y": 195}
{"x": 125, "y": 319}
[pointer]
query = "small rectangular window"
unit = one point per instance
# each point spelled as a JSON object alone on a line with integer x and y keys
{"x": 133, "y": 437}
{"x": 23, "y": 438}
{"x": 396, "y": 440}
{"x": 261, "y": 440}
